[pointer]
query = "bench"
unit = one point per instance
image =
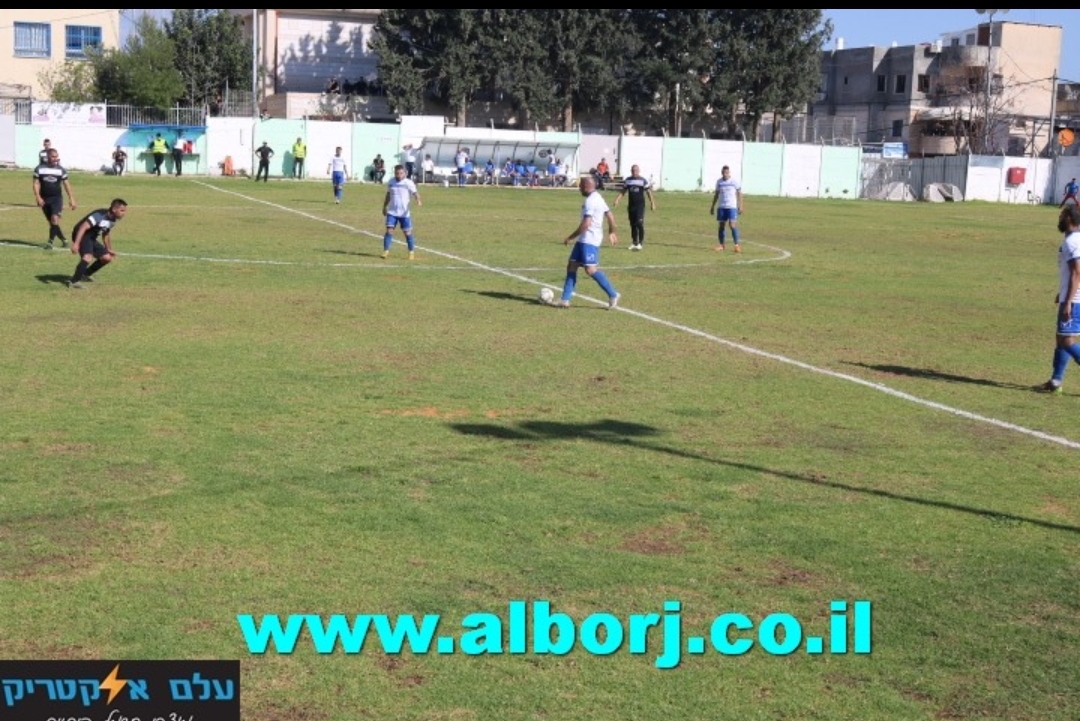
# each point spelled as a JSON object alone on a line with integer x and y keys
{"x": 616, "y": 182}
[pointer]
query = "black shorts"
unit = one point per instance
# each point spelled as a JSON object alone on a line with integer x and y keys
{"x": 52, "y": 206}
{"x": 637, "y": 215}
{"x": 90, "y": 245}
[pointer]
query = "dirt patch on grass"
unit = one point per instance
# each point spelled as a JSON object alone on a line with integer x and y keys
{"x": 390, "y": 664}
{"x": 395, "y": 664}
{"x": 67, "y": 449}
{"x": 670, "y": 539}
{"x": 783, "y": 574}
{"x": 64, "y": 548}
{"x": 1053, "y": 507}
{"x": 274, "y": 711}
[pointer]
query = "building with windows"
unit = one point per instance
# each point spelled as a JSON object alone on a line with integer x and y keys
{"x": 971, "y": 90}
{"x": 304, "y": 53}
{"x": 33, "y": 40}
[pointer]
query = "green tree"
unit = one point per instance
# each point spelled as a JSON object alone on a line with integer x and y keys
{"x": 674, "y": 68}
{"x": 73, "y": 81}
{"x": 144, "y": 71}
{"x": 211, "y": 52}
{"x": 772, "y": 60}
{"x": 554, "y": 63}
{"x": 432, "y": 50}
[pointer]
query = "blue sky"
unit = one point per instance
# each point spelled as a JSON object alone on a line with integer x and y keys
{"x": 859, "y": 28}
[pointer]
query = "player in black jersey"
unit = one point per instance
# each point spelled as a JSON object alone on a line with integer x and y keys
{"x": 50, "y": 182}
{"x": 92, "y": 241}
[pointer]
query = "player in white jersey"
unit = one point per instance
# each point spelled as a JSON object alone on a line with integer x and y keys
{"x": 338, "y": 172}
{"x": 729, "y": 193}
{"x": 399, "y": 193}
{"x": 1067, "y": 299}
{"x": 588, "y": 237}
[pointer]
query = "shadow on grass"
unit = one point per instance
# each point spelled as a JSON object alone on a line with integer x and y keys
{"x": 52, "y": 279}
{"x": 634, "y": 434}
{"x": 23, "y": 243}
{"x": 506, "y": 296}
{"x": 938, "y": 376}
{"x": 531, "y": 299}
{"x": 359, "y": 253}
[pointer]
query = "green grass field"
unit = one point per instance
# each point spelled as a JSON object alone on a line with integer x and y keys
{"x": 252, "y": 413}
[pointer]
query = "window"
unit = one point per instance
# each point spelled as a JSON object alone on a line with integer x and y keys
{"x": 970, "y": 39}
{"x": 32, "y": 40}
{"x": 77, "y": 38}
{"x": 881, "y": 83}
{"x": 897, "y": 128}
{"x": 901, "y": 84}
{"x": 955, "y": 42}
{"x": 924, "y": 83}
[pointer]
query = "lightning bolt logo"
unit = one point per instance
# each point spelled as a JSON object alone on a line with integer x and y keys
{"x": 113, "y": 684}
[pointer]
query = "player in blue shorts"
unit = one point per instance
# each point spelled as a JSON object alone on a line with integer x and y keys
{"x": 588, "y": 237}
{"x": 729, "y": 194}
{"x": 399, "y": 193}
{"x": 338, "y": 172}
{"x": 1068, "y": 299}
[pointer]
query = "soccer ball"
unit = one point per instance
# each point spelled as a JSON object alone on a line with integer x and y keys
{"x": 547, "y": 295}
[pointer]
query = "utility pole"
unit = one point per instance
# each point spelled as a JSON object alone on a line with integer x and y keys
{"x": 989, "y": 74}
{"x": 1053, "y": 114}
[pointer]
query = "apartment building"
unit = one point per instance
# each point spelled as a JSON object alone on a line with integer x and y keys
{"x": 970, "y": 90}
{"x": 33, "y": 40}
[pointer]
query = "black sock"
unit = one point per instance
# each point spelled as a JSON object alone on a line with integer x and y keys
{"x": 54, "y": 231}
{"x": 80, "y": 271}
{"x": 98, "y": 265}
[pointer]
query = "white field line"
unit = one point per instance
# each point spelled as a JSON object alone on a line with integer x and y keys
{"x": 881, "y": 388}
{"x": 731, "y": 344}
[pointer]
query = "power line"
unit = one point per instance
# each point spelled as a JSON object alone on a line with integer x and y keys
{"x": 62, "y": 19}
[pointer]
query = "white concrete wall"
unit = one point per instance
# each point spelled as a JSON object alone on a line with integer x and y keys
{"x": 802, "y": 171}
{"x": 645, "y": 151}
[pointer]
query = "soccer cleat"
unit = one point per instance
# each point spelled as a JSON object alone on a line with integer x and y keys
{"x": 88, "y": 279}
{"x": 386, "y": 254}
{"x": 49, "y": 245}
{"x": 738, "y": 248}
{"x": 720, "y": 247}
{"x": 1049, "y": 387}
{"x": 74, "y": 284}
{"x": 412, "y": 255}
{"x": 613, "y": 302}
{"x": 336, "y": 201}
{"x": 560, "y": 304}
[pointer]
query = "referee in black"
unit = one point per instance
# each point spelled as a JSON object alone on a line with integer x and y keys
{"x": 637, "y": 188}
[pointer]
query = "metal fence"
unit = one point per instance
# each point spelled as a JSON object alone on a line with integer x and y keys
{"x": 19, "y": 107}
{"x": 121, "y": 116}
{"x": 231, "y": 104}
{"x": 879, "y": 173}
{"x": 829, "y": 130}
